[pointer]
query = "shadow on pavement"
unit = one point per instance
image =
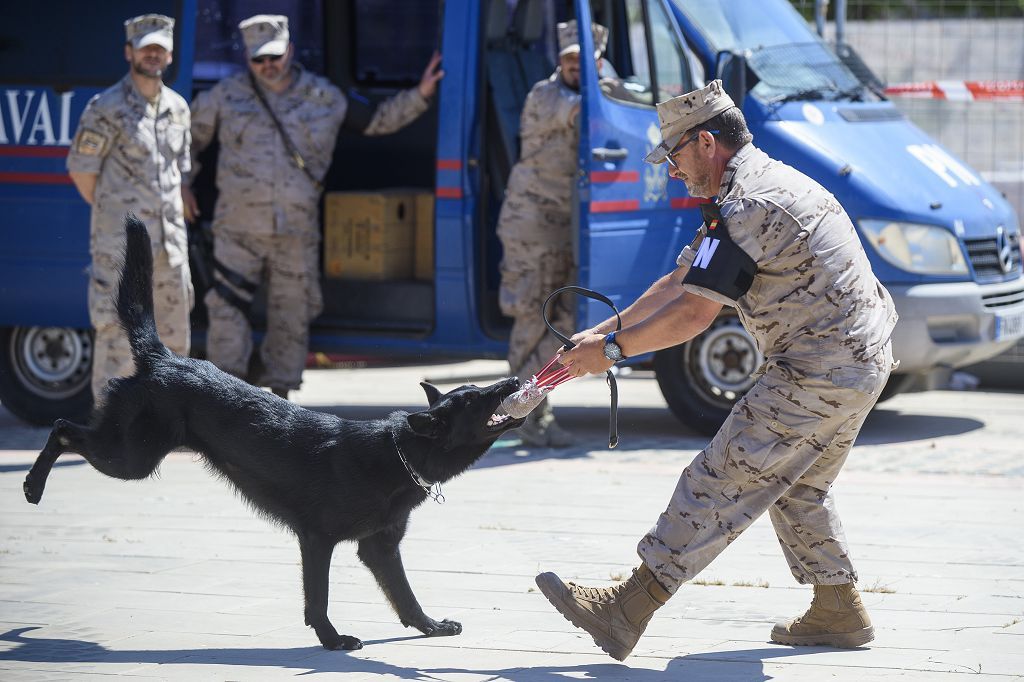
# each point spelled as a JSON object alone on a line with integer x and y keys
{"x": 892, "y": 426}
{"x": 743, "y": 664}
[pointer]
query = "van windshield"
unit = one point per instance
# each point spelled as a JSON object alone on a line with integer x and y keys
{"x": 788, "y": 58}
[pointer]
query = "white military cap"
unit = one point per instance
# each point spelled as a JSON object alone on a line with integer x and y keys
{"x": 569, "y": 38}
{"x": 150, "y": 29}
{"x": 265, "y": 34}
{"x": 682, "y": 113}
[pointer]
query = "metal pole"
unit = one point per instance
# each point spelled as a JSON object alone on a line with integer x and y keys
{"x": 820, "y": 9}
{"x": 840, "y": 22}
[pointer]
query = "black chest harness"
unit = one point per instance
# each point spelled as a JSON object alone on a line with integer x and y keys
{"x": 720, "y": 265}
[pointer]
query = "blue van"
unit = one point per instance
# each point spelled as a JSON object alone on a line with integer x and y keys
{"x": 945, "y": 243}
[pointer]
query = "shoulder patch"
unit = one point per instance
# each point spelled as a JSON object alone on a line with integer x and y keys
{"x": 90, "y": 143}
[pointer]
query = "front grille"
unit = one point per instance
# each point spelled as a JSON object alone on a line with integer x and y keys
{"x": 1007, "y": 298}
{"x": 985, "y": 259}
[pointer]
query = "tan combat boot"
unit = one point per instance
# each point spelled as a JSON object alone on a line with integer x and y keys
{"x": 532, "y": 433}
{"x": 837, "y": 618}
{"x": 542, "y": 431}
{"x": 614, "y": 616}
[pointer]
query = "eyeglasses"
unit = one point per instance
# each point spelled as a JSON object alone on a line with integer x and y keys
{"x": 678, "y": 147}
{"x": 265, "y": 58}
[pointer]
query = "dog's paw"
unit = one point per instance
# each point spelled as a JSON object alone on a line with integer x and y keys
{"x": 343, "y": 642}
{"x": 33, "y": 491}
{"x": 444, "y": 628}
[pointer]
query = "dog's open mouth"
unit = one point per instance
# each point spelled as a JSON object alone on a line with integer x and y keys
{"x": 501, "y": 419}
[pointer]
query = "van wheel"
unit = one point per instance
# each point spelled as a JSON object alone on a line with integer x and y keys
{"x": 703, "y": 378}
{"x": 45, "y": 373}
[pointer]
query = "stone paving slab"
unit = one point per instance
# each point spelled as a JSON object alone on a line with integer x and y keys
{"x": 174, "y": 578}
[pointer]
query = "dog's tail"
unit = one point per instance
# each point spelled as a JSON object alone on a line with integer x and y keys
{"x": 135, "y": 294}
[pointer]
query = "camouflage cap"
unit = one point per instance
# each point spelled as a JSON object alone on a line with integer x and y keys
{"x": 682, "y": 113}
{"x": 569, "y": 38}
{"x": 150, "y": 29}
{"x": 265, "y": 34}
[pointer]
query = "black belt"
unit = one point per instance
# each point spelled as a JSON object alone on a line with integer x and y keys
{"x": 613, "y": 428}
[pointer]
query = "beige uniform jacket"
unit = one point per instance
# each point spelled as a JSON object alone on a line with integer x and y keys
{"x": 261, "y": 190}
{"x": 140, "y": 152}
{"x": 547, "y": 158}
{"x": 815, "y": 298}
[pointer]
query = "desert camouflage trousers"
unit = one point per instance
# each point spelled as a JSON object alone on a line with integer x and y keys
{"x": 289, "y": 264}
{"x": 172, "y": 302}
{"x": 780, "y": 449}
{"x": 537, "y": 258}
{"x": 527, "y": 279}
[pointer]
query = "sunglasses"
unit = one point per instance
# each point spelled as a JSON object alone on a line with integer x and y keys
{"x": 679, "y": 147}
{"x": 265, "y": 58}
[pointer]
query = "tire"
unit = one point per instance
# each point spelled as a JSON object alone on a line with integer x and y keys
{"x": 45, "y": 373}
{"x": 703, "y": 378}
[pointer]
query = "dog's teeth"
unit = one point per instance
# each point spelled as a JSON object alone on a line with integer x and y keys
{"x": 497, "y": 419}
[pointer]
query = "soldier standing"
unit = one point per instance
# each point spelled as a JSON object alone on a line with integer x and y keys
{"x": 129, "y": 153}
{"x": 781, "y": 249}
{"x": 276, "y": 125}
{"x": 535, "y": 225}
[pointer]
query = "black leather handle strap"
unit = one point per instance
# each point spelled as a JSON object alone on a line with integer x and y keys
{"x": 613, "y": 416}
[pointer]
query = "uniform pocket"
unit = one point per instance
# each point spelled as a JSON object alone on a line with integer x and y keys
{"x": 765, "y": 429}
{"x": 175, "y": 138}
{"x": 862, "y": 379}
{"x": 519, "y": 294}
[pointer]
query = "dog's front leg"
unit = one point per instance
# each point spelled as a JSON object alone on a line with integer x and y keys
{"x": 380, "y": 554}
{"x": 316, "y": 566}
{"x": 65, "y": 437}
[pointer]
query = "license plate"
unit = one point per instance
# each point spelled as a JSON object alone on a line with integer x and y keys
{"x": 1009, "y": 326}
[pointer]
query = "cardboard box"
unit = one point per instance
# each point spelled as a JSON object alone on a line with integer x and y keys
{"x": 369, "y": 235}
{"x": 423, "y": 267}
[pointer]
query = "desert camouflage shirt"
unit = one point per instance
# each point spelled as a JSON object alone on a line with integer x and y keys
{"x": 814, "y": 296}
{"x": 261, "y": 190}
{"x": 547, "y": 158}
{"x": 140, "y": 150}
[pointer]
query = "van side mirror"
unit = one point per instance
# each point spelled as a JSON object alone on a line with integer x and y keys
{"x": 731, "y": 67}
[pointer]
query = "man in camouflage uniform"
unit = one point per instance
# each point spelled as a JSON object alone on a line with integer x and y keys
{"x": 266, "y": 222}
{"x": 782, "y": 250}
{"x": 129, "y": 153}
{"x": 535, "y": 226}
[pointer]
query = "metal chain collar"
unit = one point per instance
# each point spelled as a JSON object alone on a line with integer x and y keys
{"x": 433, "y": 490}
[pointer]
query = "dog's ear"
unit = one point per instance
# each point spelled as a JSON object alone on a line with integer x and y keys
{"x": 425, "y": 423}
{"x": 433, "y": 395}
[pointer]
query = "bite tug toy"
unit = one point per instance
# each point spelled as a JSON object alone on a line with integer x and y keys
{"x": 533, "y": 391}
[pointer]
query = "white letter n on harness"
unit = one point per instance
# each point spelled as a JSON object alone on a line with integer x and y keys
{"x": 704, "y": 253}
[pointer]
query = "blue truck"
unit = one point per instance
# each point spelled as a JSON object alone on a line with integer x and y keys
{"x": 945, "y": 243}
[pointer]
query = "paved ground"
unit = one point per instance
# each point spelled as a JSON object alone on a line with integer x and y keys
{"x": 174, "y": 578}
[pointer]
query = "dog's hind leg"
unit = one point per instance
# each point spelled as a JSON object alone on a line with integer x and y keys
{"x": 379, "y": 552}
{"x": 316, "y": 566}
{"x": 64, "y": 437}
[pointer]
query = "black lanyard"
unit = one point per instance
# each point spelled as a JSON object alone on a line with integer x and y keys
{"x": 613, "y": 429}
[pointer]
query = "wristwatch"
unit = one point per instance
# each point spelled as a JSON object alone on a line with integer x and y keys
{"x": 612, "y": 350}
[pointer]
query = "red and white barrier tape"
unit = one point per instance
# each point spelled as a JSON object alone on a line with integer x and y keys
{"x": 960, "y": 90}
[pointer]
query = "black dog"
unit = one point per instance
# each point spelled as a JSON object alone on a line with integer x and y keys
{"x": 325, "y": 478}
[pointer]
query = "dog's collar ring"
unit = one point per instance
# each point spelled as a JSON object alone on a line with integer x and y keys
{"x": 433, "y": 490}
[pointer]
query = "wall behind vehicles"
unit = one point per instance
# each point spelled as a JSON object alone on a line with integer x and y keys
{"x": 947, "y": 44}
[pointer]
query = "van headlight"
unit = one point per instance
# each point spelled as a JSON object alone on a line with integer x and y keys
{"x": 924, "y": 249}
